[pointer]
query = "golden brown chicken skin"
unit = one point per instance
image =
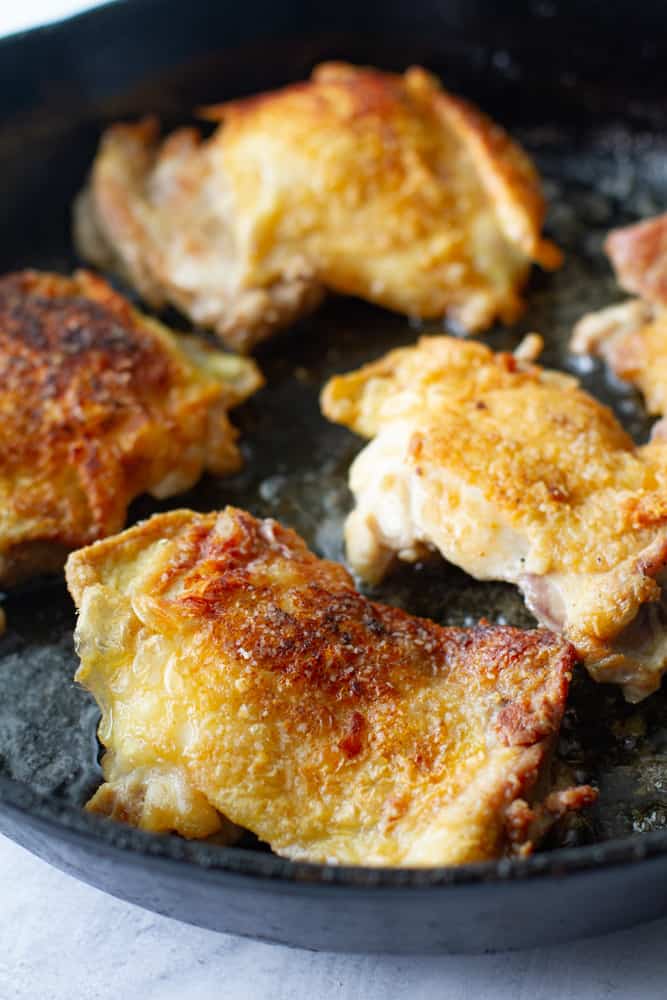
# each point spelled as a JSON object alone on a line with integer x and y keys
{"x": 241, "y": 676}
{"x": 513, "y": 473}
{"x": 99, "y": 404}
{"x": 365, "y": 183}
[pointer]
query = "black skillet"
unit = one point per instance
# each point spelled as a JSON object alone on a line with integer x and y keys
{"x": 584, "y": 86}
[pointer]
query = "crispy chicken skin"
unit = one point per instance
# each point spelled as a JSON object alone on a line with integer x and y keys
{"x": 98, "y": 404}
{"x": 513, "y": 473}
{"x": 366, "y": 183}
{"x": 241, "y": 676}
{"x": 632, "y": 336}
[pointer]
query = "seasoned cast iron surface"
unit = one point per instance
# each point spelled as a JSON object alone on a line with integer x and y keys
{"x": 296, "y": 464}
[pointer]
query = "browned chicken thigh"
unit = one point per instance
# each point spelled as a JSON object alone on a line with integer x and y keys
{"x": 240, "y": 676}
{"x": 366, "y": 183}
{"x": 513, "y": 473}
{"x": 98, "y": 404}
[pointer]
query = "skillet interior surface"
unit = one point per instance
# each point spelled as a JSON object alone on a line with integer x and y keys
{"x": 603, "y": 156}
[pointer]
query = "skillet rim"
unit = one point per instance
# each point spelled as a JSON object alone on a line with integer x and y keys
{"x": 68, "y": 822}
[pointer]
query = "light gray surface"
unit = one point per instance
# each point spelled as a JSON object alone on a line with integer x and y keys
{"x": 19, "y": 16}
{"x": 60, "y": 940}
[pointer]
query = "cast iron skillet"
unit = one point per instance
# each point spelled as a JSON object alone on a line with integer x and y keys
{"x": 584, "y": 86}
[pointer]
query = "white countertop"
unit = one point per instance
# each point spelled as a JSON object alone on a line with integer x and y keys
{"x": 15, "y": 16}
{"x": 60, "y": 940}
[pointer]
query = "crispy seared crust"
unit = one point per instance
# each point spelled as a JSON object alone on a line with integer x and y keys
{"x": 514, "y": 473}
{"x": 410, "y": 380}
{"x": 223, "y": 651}
{"x": 97, "y": 405}
{"x": 380, "y": 185}
{"x": 506, "y": 172}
